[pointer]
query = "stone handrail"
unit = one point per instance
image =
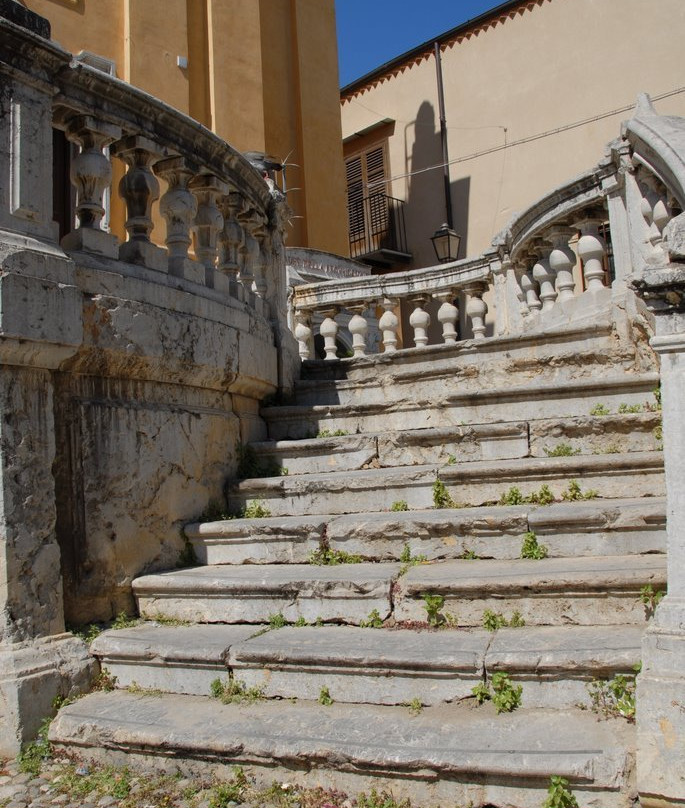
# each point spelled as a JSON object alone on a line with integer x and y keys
{"x": 215, "y": 200}
{"x": 417, "y": 287}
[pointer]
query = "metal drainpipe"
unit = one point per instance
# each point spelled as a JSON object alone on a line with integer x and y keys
{"x": 443, "y": 137}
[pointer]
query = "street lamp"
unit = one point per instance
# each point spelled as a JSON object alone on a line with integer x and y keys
{"x": 446, "y": 244}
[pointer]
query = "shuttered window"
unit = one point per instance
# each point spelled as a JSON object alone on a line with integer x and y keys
{"x": 367, "y": 193}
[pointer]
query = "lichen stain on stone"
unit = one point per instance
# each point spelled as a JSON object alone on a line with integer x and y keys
{"x": 668, "y": 733}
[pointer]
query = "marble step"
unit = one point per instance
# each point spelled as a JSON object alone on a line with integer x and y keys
{"x": 171, "y": 659}
{"x": 446, "y": 755}
{"x": 476, "y": 483}
{"x": 592, "y": 527}
{"x": 378, "y": 666}
{"x": 252, "y": 594}
{"x": 422, "y": 401}
{"x": 599, "y": 590}
{"x": 553, "y": 591}
{"x": 554, "y": 665}
{"x": 617, "y": 433}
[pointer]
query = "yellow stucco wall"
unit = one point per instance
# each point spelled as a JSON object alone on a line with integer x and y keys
{"x": 262, "y": 74}
{"x": 532, "y": 77}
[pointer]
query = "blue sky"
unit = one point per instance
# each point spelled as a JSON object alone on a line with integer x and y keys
{"x": 371, "y": 32}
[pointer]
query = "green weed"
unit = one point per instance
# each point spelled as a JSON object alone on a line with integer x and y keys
{"x": 415, "y": 706}
{"x": 326, "y": 433}
{"x": 574, "y": 493}
{"x": 493, "y": 620}
{"x": 399, "y": 505}
{"x": 530, "y": 547}
{"x": 600, "y": 409}
{"x": 561, "y": 450}
{"x": 325, "y": 697}
{"x": 374, "y": 620}
{"x": 380, "y": 799}
{"x": 505, "y": 696}
{"x": 255, "y": 510}
{"x": 277, "y": 621}
{"x": 441, "y": 497}
{"x": 35, "y": 753}
{"x": 325, "y": 556}
{"x": 650, "y": 598}
{"x": 234, "y": 692}
{"x": 224, "y": 795}
{"x": 408, "y": 560}
{"x": 469, "y": 555}
{"x": 629, "y": 408}
{"x": 614, "y": 698}
{"x": 559, "y": 795}
{"x": 433, "y": 605}
{"x": 122, "y": 620}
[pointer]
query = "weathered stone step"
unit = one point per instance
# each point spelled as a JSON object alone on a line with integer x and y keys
{"x": 375, "y": 666}
{"x": 252, "y": 594}
{"x": 380, "y": 666}
{"x": 173, "y": 659}
{"x": 593, "y": 527}
{"x": 617, "y": 433}
{"x": 551, "y": 591}
{"x": 421, "y": 401}
{"x": 476, "y": 483}
{"x": 451, "y": 754}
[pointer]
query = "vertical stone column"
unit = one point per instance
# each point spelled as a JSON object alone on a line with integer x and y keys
{"x": 389, "y": 324}
{"x": 660, "y": 698}
{"x": 91, "y": 175}
{"x": 448, "y": 314}
{"x": 419, "y": 320}
{"x": 139, "y": 188}
{"x": 544, "y": 275}
{"x": 329, "y": 331}
{"x": 303, "y": 333}
{"x": 209, "y": 222}
{"x": 358, "y": 327}
{"x": 476, "y": 309}
{"x": 230, "y": 239}
{"x": 562, "y": 259}
{"x": 592, "y": 249}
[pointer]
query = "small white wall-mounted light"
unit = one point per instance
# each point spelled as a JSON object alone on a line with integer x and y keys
{"x": 182, "y": 62}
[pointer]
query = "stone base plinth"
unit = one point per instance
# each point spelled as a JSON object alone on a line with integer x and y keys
{"x": 32, "y": 675}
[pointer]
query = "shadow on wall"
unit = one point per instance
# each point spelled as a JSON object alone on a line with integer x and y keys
{"x": 425, "y": 209}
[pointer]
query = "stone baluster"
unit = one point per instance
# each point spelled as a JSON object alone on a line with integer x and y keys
{"x": 91, "y": 174}
{"x": 358, "y": 327}
{"x": 139, "y": 188}
{"x": 230, "y": 238}
{"x": 448, "y": 315}
{"x": 562, "y": 259}
{"x": 249, "y": 255}
{"x": 476, "y": 309}
{"x": 654, "y": 209}
{"x": 259, "y": 265}
{"x": 592, "y": 250}
{"x": 179, "y": 208}
{"x": 544, "y": 275}
{"x": 529, "y": 289}
{"x": 329, "y": 331}
{"x": 303, "y": 333}
{"x": 389, "y": 324}
{"x": 209, "y": 221}
{"x": 419, "y": 320}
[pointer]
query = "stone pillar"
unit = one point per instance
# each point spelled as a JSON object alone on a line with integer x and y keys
{"x": 329, "y": 331}
{"x": 303, "y": 333}
{"x": 358, "y": 327}
{"x": 476, "y": 309}
{"x": 544, "y": 275}
{"x": 448, "y": 314}
{"x": 592, "y": 250}
{"x": 562, "y": 260}
{"x": 389, "y": 324}
{"x": 230, "y": 239}
{"x": 660, "y": 698}
{"x": 419, "y": 320}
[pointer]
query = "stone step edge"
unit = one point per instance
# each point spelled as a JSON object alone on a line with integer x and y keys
{"x": 485, "y": 651}
{"x": 604, "y": 388}
{"x": 582, "y": 515}
{"x": 524, "y": 469}
{"x": 524, "y": 745}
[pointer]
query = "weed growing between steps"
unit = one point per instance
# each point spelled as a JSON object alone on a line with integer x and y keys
{"x": 614, "y": 698}
{"x": 544, "y": 496}
{"x": 251, "y": 466}
{"x": 408, "y": 560}
{"x": 326, "y": 433}
{"x": 505, "y": 696}
{"x": 374, "y": 620}
{"x": 433, "y": 605}
{"x": 234, "y": 692}
{"x": 325, "y": 697}
{"x": 399, "y": 505}
{"x": 441, "y": 497}
{"x": 495, "y": 620}
{"x": 559, "y": 795}
{"x": 574, "y": 493}
{"x": 531, "y": 549}
{"x": 650, "y": 599}
{"x": 561, "y": 450}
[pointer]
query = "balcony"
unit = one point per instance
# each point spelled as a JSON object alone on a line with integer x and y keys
{"x": 377, "y": 231}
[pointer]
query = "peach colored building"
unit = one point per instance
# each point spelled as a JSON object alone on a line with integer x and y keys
{"x": 262, "y": 74}
{"x": 534, "y": 90}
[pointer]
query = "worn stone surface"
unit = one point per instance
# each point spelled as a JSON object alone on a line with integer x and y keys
{"x": 583, "y": 591}
{"x": 174, "y": 659}
{"x": 363, "y": 665}
{"x": 476, "y": 483}
{"x": 277, "y": 540}
{"x": 344, "y": 453}
{"x": 513, "y": 754}
{"x": 251, "y": 594}
{"x": 614, "y": 433}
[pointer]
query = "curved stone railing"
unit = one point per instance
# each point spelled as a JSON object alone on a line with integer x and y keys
{"x": 552, "y": 265}
{"x": 213, "y": 200}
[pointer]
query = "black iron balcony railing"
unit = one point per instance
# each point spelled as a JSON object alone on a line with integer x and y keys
{"x": 377, "y": 230}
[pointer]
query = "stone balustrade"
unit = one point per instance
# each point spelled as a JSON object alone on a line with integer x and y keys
{"x": 379, "y": 298}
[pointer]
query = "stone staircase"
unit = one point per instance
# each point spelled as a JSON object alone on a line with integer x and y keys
{"x": 395, "y": 632}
